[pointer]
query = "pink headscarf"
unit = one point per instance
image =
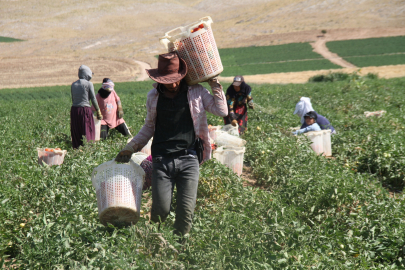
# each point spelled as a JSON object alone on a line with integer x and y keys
{"x": 109, "y": 86}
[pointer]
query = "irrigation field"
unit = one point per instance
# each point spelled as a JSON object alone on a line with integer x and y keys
{"x": 272, "y": 59}
{"x": 296, "y": 57}
{"x": 310, "y": 212}
{"x": 371, "y": 51}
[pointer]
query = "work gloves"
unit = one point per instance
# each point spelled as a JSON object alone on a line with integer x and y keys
{"x": 120, "y": 112}
{"x": 125, "y": 154}
{"x": 251, "y": 105}
{"x": 99, "y": 115}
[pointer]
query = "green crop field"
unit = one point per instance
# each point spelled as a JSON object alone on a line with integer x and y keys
{"x": 8, "y": 39}
{"x": 290, "y": 66}
{"x": 371, "y": 51}
{"x": 376, "y": 60}
{"x": 309, "y": 212}
{"x": 369, "y": 46}
{"x": 272, "y": 59}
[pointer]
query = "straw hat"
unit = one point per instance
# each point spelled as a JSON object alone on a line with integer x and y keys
{"x": 171, "y": 69}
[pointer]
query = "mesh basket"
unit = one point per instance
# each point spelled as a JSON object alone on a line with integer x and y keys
{"x": 327, "y": 145}
{"x": 119, "y": 191}
{"x": 232, "y": 157}
{"x": 233, "y": 130}
{"x": 198, "y": 49}
{"x": 138, "y": 157}
{"x": 147, "y": 148}
{"x": 56, "y": 157}
{"x": 212, "y": 131}
{"x": 225, "y": 139}
{"x": 317, "y": 141}
{"x": 97, "y": 125}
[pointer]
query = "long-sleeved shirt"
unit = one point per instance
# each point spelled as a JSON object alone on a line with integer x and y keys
{"x": 313, "y": 127}
{"x": 200, "y": 100}
{"x": 82, "y": 90}
{"x": 322, "y": 122}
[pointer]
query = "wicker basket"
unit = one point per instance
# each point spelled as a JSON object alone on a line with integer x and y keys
{"x": 97, "y": 126}
{"x": 198, "y": 49}
{"x": 119, "y": 192}
{"x": 56, "y": 157}
{"x": 232, "y": 157}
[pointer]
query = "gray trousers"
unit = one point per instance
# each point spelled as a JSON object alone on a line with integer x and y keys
{"x": 167, "y": 172}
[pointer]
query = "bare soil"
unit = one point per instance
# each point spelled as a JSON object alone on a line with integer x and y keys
{"x": 116, "y": 38}
{"x": 320, "y": 47}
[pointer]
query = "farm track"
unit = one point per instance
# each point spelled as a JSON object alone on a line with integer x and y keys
{"x": 320, "y": 47}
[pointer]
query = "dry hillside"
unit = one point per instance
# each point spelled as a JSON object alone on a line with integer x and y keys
{"x": 110, "y": 36}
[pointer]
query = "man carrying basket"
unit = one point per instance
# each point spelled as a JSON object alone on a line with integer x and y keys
{"x": 177, "y": 121}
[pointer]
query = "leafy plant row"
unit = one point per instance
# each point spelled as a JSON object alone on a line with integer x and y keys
{"x": 263, "y": 54}
{"x": 310, "y": 212}
{"x": 289, "y": 66}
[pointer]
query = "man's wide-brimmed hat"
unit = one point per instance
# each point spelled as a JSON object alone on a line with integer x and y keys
{"x": 171, "y": 69}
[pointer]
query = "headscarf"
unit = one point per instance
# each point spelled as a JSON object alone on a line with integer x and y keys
{"x": 106, "y": 88}
{"x": 303, "y": 106}
{"x": 108, "y": 85}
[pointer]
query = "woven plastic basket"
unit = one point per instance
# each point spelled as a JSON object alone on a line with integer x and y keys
{"x": 56, "y": 157}
{"x": 230, "y": 129}
{"x": 97, "y": 125}
{"x": 225, "y": 139}
{"x": 317, "y": 141}
{"x": 327, "y": 144}
{"x": 198, "y": 49}
{"x": 212, "y": 131}
{"x": 232, "y": 157}
{"x": 119, "y": 192}
{"x": 147, "y": 149}
{"x": 138, "y": 157}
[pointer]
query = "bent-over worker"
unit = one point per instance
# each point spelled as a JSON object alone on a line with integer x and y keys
{"x": 238, "y": 96}
{"x": 111, "y": 109}
{"x": 176, "y": 119}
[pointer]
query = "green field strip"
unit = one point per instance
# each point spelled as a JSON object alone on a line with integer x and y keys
{"x": 8, "y": 39}
{"x": 377, "y": 60}
{"x": 369, "y": 46}
{"x": 288, "y": 66}
{"x": 277, "y": 53}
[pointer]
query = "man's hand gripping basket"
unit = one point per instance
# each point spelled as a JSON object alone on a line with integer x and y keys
{"x": 119, "y": 192}
{"x": 196, "y": 45}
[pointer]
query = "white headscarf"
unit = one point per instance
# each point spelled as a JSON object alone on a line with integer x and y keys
{"x": 302, "y": 107}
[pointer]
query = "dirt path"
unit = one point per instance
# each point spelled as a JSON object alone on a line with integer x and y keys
{"x": 320, "y": 47}
{"x": 142, "y": 75}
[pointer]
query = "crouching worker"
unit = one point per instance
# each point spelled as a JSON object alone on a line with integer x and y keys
{"x": 111, "y": 109}
{"x": 177, "y": 120}
{"x": 311, "y": 125}
{"x": 304, "y": 106}
{"x": 81, "y": 116}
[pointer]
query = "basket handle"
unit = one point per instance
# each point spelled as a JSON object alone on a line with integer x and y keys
{"x": 186, "y": 29}
{"x": 168, "y": 34}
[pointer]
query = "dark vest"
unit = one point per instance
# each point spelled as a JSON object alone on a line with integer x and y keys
{"x": 174, "y": 129}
